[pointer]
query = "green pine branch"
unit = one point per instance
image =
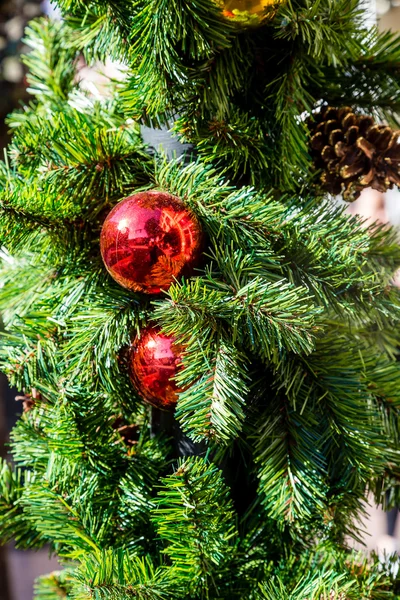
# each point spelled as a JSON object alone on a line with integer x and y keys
{"x": 13, "y": 523}
{"x": 292, "y": 468}
{"x": 161, "y": 75}
{"x": 114, "y": 574}
{"x": 238, "y": 141}
{"x": 195, "y": 521}
{"x": 323, "y": 29}
{"x": 54, "y": 586}
{"x": 104, "y": 320}
{"x": 76, "y": 161}
{"x": 370, "y": 80}
{"x": 51, "y": 61}
{"x": 211, "y": 405}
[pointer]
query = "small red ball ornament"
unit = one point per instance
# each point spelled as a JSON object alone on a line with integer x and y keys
{"x": 148, "y": 240}
{"x": 154, "y": 361}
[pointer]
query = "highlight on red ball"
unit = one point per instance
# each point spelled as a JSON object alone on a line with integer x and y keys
{"x": 148, "y": 240}
{"x": 155, "y": 359}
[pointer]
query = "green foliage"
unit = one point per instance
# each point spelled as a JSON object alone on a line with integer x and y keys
{"x": 82, "y": 486}
{"x": 75, "y": 161}
{"x": 289, "y": 325}
{"x": 322, "y": 577}
{"x": 293, "y": 472}
{"x": 116, "y": 575}
{"x": 194, "y": 518}
{"x": 54, "y": 586}
{"x": 323, "y": 587}
{"x": 51, "y": 62}
{"x": 107, "y": 319}
{"x": 371, "y": 82}
{"x": 212, "y": 405}
{"x": 13, "y": 523}
{"x": 238, "y": 141}
{"x": 162, "y": 26}
{"x": 321, "y": 27}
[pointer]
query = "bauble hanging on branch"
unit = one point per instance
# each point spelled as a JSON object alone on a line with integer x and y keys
{"x": 154, "y": 361}
{"x": 148, "y": 240}
{"x": 354, "y": 152}
{"x": 249, "y": 13}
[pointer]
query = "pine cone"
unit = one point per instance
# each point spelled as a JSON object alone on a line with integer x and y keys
{"x": 354, "y": 152}
{"x": 29, "y": 400}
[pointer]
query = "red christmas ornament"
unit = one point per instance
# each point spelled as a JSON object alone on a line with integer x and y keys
{"x": 148, "y": 240}
{"x": 155, "y": 359}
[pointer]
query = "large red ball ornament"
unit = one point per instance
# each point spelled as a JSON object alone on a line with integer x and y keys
{"x": 154, "y": 361}
{"x": 148, "y": 240}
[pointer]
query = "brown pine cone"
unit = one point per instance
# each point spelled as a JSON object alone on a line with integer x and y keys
{"x": 354, "y": 152}
{"x": 29, "y": 400}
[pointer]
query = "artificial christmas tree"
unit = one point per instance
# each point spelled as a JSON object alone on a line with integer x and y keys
{"x": 285, "y": 334}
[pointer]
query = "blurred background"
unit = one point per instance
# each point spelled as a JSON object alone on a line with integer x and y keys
{"x": 18, "y": 569}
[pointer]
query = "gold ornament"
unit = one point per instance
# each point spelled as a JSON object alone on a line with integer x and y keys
{"x": 249, "y": 13}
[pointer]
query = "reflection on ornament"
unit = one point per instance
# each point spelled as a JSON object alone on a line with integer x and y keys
{"x": 249, "y": 13}
{"x": 154, "y": 361}
{"x": 148, "y": 240}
